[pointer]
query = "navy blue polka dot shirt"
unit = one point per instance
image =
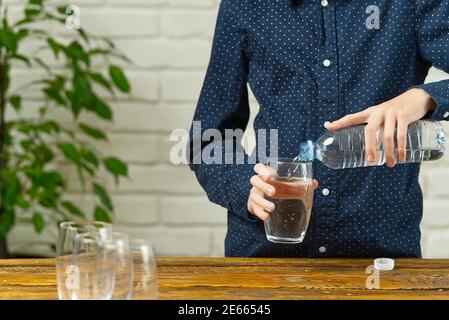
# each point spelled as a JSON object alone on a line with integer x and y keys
{"x": 307, "y": 63}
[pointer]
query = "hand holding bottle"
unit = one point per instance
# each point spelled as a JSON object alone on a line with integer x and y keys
{"x": 393, "y": 115}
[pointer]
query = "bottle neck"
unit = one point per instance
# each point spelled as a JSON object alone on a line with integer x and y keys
{"x": 306, "y": 150}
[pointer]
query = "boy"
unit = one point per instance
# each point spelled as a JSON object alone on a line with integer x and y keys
{"x": 309, "y": 62}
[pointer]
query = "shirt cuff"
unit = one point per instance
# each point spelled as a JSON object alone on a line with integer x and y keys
{"x": 439, "y": 91}
{"x": 240, "y": 189}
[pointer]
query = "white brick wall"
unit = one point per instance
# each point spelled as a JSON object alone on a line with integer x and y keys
{"x": 169, "y": 42}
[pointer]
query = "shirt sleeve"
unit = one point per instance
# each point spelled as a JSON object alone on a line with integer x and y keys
{"x": 223, "y": 105}
{"x": 433, "y": 41}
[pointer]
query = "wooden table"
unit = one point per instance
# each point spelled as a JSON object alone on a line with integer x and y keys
{"x": 225, "y": 278}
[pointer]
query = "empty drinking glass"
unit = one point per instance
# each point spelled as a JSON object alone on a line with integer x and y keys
{"x": 95, "y": 263}
{"x": 67, "y": 274}
{"x": 115, "y": 254}
{"x": 293, "y": 200}
{"x": 95, "y": 281}
{"x": 144, "y": 270}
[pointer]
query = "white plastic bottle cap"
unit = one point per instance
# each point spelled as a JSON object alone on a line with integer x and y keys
{"x": 384, "y": 264}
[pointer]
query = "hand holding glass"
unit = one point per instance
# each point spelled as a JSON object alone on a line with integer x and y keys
{"x": 293, "y": 184}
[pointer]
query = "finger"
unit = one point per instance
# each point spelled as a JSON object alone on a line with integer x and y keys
{"x": 265, "y": 172}
{"x": 401, "y": 134}
{"x": 259, "y": 212}
{"x": 260, "y": 201}
{"x": 260, "y": 184}
{"x": 314, "y": 184}
{"x": 348, "y": 120}
{"x": 388, "y": 138}
{"x": 371, "y": 138}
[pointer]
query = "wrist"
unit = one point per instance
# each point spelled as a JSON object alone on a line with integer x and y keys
{"x": 425, "y": 99}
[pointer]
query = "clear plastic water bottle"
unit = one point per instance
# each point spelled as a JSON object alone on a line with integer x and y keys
{"x": 346, "y": 148}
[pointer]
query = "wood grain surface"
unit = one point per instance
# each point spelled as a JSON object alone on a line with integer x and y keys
{"x": 235, "y": 278}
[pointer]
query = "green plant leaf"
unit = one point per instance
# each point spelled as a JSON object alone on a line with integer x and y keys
{"x": 24, "y": 127}
{"x": 62, "y": 9}
{"x": 102, "y": 109}
{"x": 109, "y": 43}
{"x": 103, "y": 195}
{"x": 83, "y": 89}
{"x": 36, "y": 2}
{"x": 34, "y": 8}
{"x": 116, "y": 166}
{"x": 16, "y": 102}
{"x": 112, "y": 52}
{"x": 22, "y": 33}
{"x": 7, "y": 219}
{"x": 55, "y": 46}
{"x": 48, "y": 127}
{"x": 10, "y": 190}
{"x": 22, "y": 203}
{"x": 83, "y": 35}
{"x": 121, "y": 56}
{"x": 42, "y": 64}
{"x": 75, "y": 102}
{"x": 50, "y": 180}
{"x": 23, "y": 21}
{"x": 89, "y": 156}
{"x": 9, "y": 39}
{"x": 48, "y": 197}
{"x": 100, "y": 214}
{"x": 101, "y": 80}
{"x": 72, "y": 209}
{"x": 38, "y": 222}
{"x": 22, "y": 58}
{"x": 88, "y": 169}
{"x": 7, "y": 138}
{"x": 58, "y": 82}
{"x": 119, "y": 78}
{"x": 31, "y": 12}
{"x": 77, "y": 53}
{"x": 54, "y": 95}
{"x": 26, "y": 143}
{"x": 93, "y": 132}
{"x": 70, "y": 152}
{"x": 42, "y": 153}
{"x": 99, "y": 51}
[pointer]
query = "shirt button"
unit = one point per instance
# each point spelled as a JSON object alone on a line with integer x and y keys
{"x": 322, "y": 249}
{"x": 325, "y": 192}
{"x": 327, "y": 63}
{"x": 446, "y": 115}
{"x": 324, "y": 3}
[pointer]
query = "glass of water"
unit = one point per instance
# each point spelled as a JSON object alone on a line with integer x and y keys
{"x": 293, "y": 200}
